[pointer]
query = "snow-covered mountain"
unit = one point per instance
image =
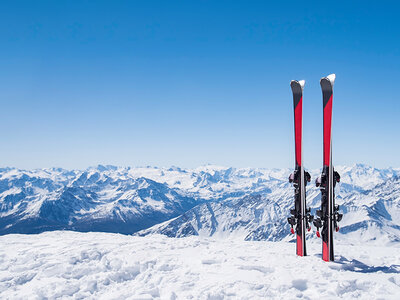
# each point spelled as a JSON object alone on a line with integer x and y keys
{"x": 370, "y": 213}
{"x": 106, "y": 199}
{"x": 248, "y": 218}
{"x": 247, "y": 203}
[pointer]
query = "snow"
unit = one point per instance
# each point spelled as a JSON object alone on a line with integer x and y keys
{"x": 73, "y": 265}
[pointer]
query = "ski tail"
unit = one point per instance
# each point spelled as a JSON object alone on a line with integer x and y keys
{"x": 300, "y": 246}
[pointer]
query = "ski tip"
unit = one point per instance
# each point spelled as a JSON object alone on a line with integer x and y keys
{"x": 331, "y": 78}
{"x": 300, "y": 82}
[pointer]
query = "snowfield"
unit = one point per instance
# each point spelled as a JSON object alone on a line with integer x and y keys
{"x": 72, "y": 265}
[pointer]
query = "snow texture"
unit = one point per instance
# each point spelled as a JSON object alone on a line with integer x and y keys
{"x": 72, "y": 265}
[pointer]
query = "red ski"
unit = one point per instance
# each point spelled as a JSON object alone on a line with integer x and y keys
{"x": 328, "y": 216}
{"x": 300, "y": 216}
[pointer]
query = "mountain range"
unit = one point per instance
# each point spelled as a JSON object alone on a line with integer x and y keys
{"x": 244, "y": 203}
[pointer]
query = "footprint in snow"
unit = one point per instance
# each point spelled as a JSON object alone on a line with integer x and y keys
{"x": 261, "y": 269}
{"x": 209, "y": 261}
{"x": 166, "y": 267}
{"x": 300, "y": 284}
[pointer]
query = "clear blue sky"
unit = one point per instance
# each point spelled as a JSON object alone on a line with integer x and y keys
{"x": 186, "y": 83}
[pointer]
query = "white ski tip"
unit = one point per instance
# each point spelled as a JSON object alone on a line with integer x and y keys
{"x": 331, "y": 78}
{"x": 301, "y": 82}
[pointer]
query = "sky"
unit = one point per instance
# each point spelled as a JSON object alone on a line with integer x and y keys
{"x": 188, "y": 83}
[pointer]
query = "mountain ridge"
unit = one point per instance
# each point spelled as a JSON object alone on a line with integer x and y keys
{"x": 132, "y": 200}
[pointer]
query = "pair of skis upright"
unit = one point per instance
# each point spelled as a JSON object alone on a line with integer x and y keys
{"x": 328, "y": 216}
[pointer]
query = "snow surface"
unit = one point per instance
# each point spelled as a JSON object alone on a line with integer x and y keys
{"x": 72, "y": 265}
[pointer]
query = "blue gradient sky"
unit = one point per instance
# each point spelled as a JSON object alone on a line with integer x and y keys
{"x": 186, "y": 83}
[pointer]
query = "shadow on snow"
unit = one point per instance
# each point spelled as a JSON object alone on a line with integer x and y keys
{"x": 357, "y": 266}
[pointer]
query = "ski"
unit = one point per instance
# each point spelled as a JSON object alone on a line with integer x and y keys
{"x": 328, "y": 216}
{"x": 300, "y": 216}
